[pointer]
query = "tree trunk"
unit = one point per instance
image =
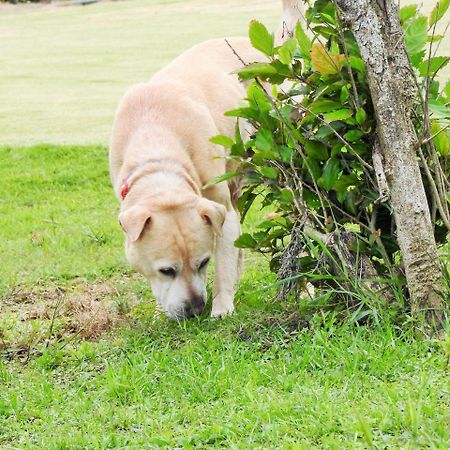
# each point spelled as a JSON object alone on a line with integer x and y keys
{"x": 376, "y": 26}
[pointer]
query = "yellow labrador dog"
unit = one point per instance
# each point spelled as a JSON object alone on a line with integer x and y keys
{"x": 160, "y": 159}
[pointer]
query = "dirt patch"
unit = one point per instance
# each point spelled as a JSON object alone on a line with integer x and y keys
{"x": 84, "y": 310}
{"x": 93, "y": 312}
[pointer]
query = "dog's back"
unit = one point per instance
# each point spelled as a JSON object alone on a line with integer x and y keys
{"x": 194, "y": 90}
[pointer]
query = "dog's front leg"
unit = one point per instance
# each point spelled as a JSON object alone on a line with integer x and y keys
{"x": 227, "y": 266}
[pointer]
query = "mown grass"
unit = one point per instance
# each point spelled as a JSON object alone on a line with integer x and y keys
{"x": 269, "y": 377}
{"x": 58, "y": 204}
{"x": 200, "y": 385}
{"x": 63, "y": 69}
{"x": 84, "y": 361}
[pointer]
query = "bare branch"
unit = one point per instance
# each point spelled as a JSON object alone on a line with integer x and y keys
{"x": 383, "y": 186}
{"x": 425, "y": 141}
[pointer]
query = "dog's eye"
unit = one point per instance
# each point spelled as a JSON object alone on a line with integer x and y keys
{"x": 203, "y": 264}
{"x": 168, "y": 272}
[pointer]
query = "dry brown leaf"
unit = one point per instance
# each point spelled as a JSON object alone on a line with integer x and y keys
{"x": 324, "y": 62}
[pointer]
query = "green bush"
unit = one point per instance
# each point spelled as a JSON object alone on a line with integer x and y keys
{"x": 310, "y": 158}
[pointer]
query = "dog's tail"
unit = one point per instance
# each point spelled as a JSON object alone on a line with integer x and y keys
{"x": 293, "y": 11}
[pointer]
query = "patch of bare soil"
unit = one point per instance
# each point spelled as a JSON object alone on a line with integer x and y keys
{"x": 86, "y": 310}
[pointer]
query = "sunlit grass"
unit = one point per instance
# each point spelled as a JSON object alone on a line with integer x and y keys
{"x": 63, "y": 69}
{"x": 268, "y": 377}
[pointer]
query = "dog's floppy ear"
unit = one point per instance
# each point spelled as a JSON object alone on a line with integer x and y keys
{"x": 213, "y": 213}
{"x": 133, "y": 221}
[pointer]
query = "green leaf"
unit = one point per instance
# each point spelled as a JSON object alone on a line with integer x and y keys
{"x": 316, "y": 150}
{"x": 350, "y": 203}
{"x": 224, "y": 141}
{"x": 281, "y": 68}
{"x": 286, "y": 195}
{"x": 264, "y": 140}
{"x": 285, "y": 153}
{"x": 258, "y": 98}
{"x": 246, "y": 113}
{"x": 338, "y": 149}
{"x": 256, "y": 70}
{"x": 434, "y": 89}
{"x": 312, "y": 167}
{"x": 245, "y": 240}
{"x": 438, "y": 12}
{"x": 334, "y": 49}
{"x": 340, "y": 114}
{"x": 286, "y": 51}
{"x": 158, "y": 442}
{"x": 357, "y": 64}
{"x": 407, "y": 12}
{"x": 360, "y": 116}
{"x": 328, "y": 19}
{"x": 330, "y": 174}
{"x": 344, "y": 182}
{"x": 266, "y": 224}
{"x": 260, "y": 38}
{"x": 326, "y": 32}
{"x": 269, "y": 172}
{"x": 439, "y": 110}
{"x": 436, "y": 63}
{"x": 246, "y": 201}
{"x": 417, "y": 58}
{"x": 435, "y": 38}
{"x": 441, "y": 140}
{"x": 324, "y": 132}
{"x": 323, "y": 105}
{"x": 220, "y": 179}
{"x": 237, "y": 150}
{"x": 311, "y": 199}
{"x": 353, "y": 135}
{"x": 303, "y": 41}
{"x": 237, "y": 134}
{"x": 345, "y": 94}
{"x": 447, "y": 91}
{"x": 416, "y": 35}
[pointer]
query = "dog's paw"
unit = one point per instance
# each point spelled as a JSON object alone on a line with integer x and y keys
{"x": 222, "y": 308}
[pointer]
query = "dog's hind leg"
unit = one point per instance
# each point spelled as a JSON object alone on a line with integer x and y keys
{"x": 227, "y": 266}
{"x": 293, "y": 11}
{"x": 240, "y": 266}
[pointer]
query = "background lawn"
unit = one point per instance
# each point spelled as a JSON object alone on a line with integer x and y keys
{"x": 85, "y": 363}
{"x": 63, "y": 69}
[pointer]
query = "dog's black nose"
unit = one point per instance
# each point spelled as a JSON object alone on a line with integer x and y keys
{"x": 194, "y": 307}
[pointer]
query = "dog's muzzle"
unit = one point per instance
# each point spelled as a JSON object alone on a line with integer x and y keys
{"x": 194, "y": 307}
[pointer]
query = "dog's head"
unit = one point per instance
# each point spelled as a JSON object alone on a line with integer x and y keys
{"x": 171, "y": 246}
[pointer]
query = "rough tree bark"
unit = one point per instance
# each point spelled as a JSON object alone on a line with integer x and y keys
{"x": 377, "y": 29}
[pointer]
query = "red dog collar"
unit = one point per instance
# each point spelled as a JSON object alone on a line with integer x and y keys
{"x": 124, "y": 188}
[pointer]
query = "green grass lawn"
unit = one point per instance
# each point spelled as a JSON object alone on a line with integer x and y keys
{"x": 86, "y": 364}
{"x": 85, "y": 361}
{"x": 63, "y": 69}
